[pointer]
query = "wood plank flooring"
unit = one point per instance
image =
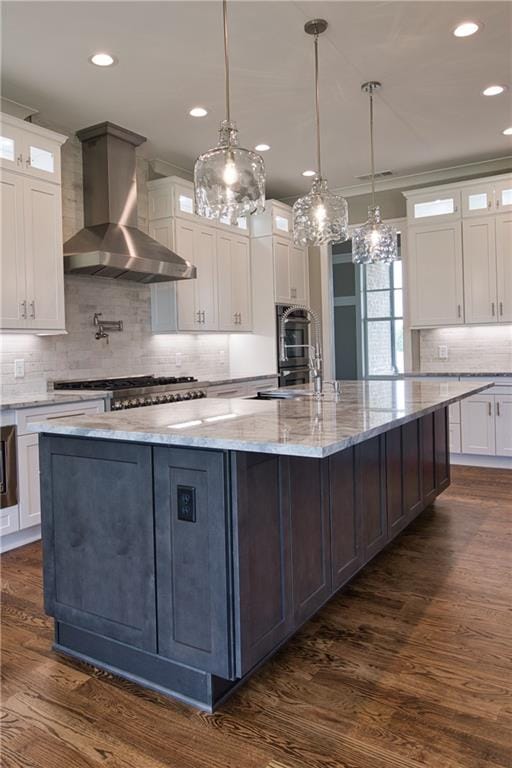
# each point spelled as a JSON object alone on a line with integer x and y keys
{"x": 409, "y": 667}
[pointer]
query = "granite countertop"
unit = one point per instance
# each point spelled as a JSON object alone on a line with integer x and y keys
{"x": 302, "y": 427}
{"x": 52, "y": 398}
{"x": 220, "y": 382}
{"x": 464, "y": 374}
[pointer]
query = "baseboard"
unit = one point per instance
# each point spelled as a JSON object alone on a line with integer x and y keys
{"x": 20, "y": 538}
{"x": 469, "y": 460}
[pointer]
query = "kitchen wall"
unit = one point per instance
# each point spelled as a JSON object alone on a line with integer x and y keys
{"x": 473, "y": 348}
{"x": 136, "y": 349}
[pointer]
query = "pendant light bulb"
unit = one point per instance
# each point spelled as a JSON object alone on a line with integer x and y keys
{"x": 229, "y": 181}
{"x": 320, "y": 217}
{"x": 374, "y": 242}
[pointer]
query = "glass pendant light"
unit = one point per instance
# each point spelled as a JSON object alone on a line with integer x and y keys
{"x": 374, "y": 242}
{"x": 320, "y": 217}
{"x": 229, "y": 181}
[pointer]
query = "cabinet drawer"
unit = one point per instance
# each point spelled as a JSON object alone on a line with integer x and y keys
{"x": 29, "y": 416}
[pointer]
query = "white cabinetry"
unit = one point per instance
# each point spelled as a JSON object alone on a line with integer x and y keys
{"x": 454, "y": 279}
{"x": 219, "y": 299}
{"x": 503, "y": 410}
{"x": 32, "y": 292}
{"x": 477, "y": 425}
{"x": 435, "y": 275}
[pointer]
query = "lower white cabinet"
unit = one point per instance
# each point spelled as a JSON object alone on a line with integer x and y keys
{"x": 29, "y": 503}
{"x": 477, "y": 425}
{"x": 503, "y": 410}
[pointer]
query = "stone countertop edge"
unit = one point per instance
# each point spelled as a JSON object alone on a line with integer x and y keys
{"x": 465, "y": 374}
{"x": 231, "y": 444}
{"x": 60, "y": 397}
{"x": 244, "y": 379}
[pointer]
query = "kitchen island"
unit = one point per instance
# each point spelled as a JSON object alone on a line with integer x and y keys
{"x": 185, "y": 543}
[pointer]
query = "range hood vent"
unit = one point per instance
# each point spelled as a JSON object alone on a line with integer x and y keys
{"x": 110, "y": 244}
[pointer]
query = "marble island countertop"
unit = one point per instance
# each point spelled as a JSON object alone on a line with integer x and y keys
{"x": 299, "y": 427}
{"x": 52, "y": 398}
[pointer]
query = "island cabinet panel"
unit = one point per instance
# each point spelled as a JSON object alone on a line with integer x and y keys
{"x": 306, "y": 496}
{"x": 442, "y": 452}
{"x": 345, "y": 522}
{"x": 99, "y": 568}
{"x": 371, "y": 495}
{"x": 396, "y": 509}
{"x": 428, "y": 459}
{"x": 412, "y": 469}
{"x": 193, "y": 559}
{"x": 263, "y": 587}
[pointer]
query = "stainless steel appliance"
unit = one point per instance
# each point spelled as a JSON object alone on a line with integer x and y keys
{"x": 139, "y": 391}
{"x": 110, "y": 244}
{"x": 8, "y": 467}
{"x": 296, "y": 369}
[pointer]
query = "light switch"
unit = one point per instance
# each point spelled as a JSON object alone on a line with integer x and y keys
{"x": 19, "y": 369}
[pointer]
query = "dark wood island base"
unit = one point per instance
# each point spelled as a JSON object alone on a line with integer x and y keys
{"x": 184, "y": 569}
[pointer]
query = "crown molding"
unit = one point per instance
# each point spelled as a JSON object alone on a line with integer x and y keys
{"x": 165, "y": 168}
{"x": 423, "y": 178}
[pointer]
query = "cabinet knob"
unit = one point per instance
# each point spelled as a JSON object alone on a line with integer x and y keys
{"x": 203, "y": 313}
{"x": 19, "y": 160}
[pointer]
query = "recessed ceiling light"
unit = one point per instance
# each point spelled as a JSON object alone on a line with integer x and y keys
{"x": 466, "y": 28}
{"x": 308, "y": 173}
{"x": 102, "y": 59}
{"x": 493, "y": 90}
{"x": 507, "y": 131}
{"x": 262, "y": 147}
{"x": 198, "y": 112}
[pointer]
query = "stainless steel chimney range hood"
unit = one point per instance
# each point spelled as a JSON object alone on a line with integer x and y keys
{"x": 110, "y": 244}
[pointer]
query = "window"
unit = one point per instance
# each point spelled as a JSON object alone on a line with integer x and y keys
{"x": 382, "y": 318}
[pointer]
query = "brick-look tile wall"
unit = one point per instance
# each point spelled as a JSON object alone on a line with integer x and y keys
{"x": 136, "y": 349}
{"x": 470, "y": 348}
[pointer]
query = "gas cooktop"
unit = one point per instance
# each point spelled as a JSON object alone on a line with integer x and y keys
{"x": 124, "y": 382}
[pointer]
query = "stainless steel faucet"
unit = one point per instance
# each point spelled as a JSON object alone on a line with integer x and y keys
{"x": 104, "y": 326}
{"x": 315, "y": 349}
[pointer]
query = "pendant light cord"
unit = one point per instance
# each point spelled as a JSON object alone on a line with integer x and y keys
{"x": 372, "y": 152}
{"x": 226, "y": 57}
{"x": 317, "y": 103}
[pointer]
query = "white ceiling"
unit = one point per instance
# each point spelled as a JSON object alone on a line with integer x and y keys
{"x": 430, "y": 113}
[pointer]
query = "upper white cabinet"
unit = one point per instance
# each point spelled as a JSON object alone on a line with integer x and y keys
{"x": 219, "y": 299}
{"x": 454, "y": 280}
{"x": 276, "y": 219}
{"x": 435, "y": 275}
{"x": 425, "y": 206}
{"x": 234, "y": 281}
{"x": 31, "y": 262}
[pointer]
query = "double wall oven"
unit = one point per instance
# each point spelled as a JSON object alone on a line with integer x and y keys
{"x": 295, "y": 370}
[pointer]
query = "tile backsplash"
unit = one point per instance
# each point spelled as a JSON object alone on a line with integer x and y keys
{"x": 135, "y": 349}
{"x": 470, "y": 348}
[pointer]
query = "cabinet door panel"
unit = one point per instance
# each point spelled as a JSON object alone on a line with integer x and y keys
{"x": 371, "y": 499}
{"x": 345, "y": 522}
{"x": 480, "y": 301}
{"x": 503, "y": 195}
{"x": 504, "y": 266}
{"x": 477, "y": 425}
{"x": 12, "y": 256}
{"x": 193, "y": 567}
{"x": 436, "y": 290}
{"x": 396, "y": 512}
{"x": 98, "y": 537}
{"x": 28, "y": 481}
{"x": 43, "y": 249}
{"x": 205, "y": 255}
{"x": 282, "y": 271}
{"x": 428, "y": 458}
{"x": 241, "y": 282}
{"x": 503, "y": 425}
{"x": 441, "y": 449}
{"x": 264, "y": 609}
{"x": 186, "y": 290}
{"x": 163, "y": 295}
{"x": 298, "y": 275}
{"x": 225, "y": 279}
{"x": 411, "y": 468}
{"x": 310, "y": 535}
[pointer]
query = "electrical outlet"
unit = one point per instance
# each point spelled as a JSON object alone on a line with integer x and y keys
{"x": 443, "y": 352}
{"x": 178, "y": 359}
{"x": 19, "y": 369}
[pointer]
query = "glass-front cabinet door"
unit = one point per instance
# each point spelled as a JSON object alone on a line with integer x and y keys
{"x": 11, "y": 147}
{"x": 434, "y": 207}
{"x": 41, "y": 157}
{"x": 477, "y": 200}
{"x": 503, "y": 195}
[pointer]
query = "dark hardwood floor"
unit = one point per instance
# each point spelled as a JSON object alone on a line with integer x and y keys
{"x": 409, "y": 666}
